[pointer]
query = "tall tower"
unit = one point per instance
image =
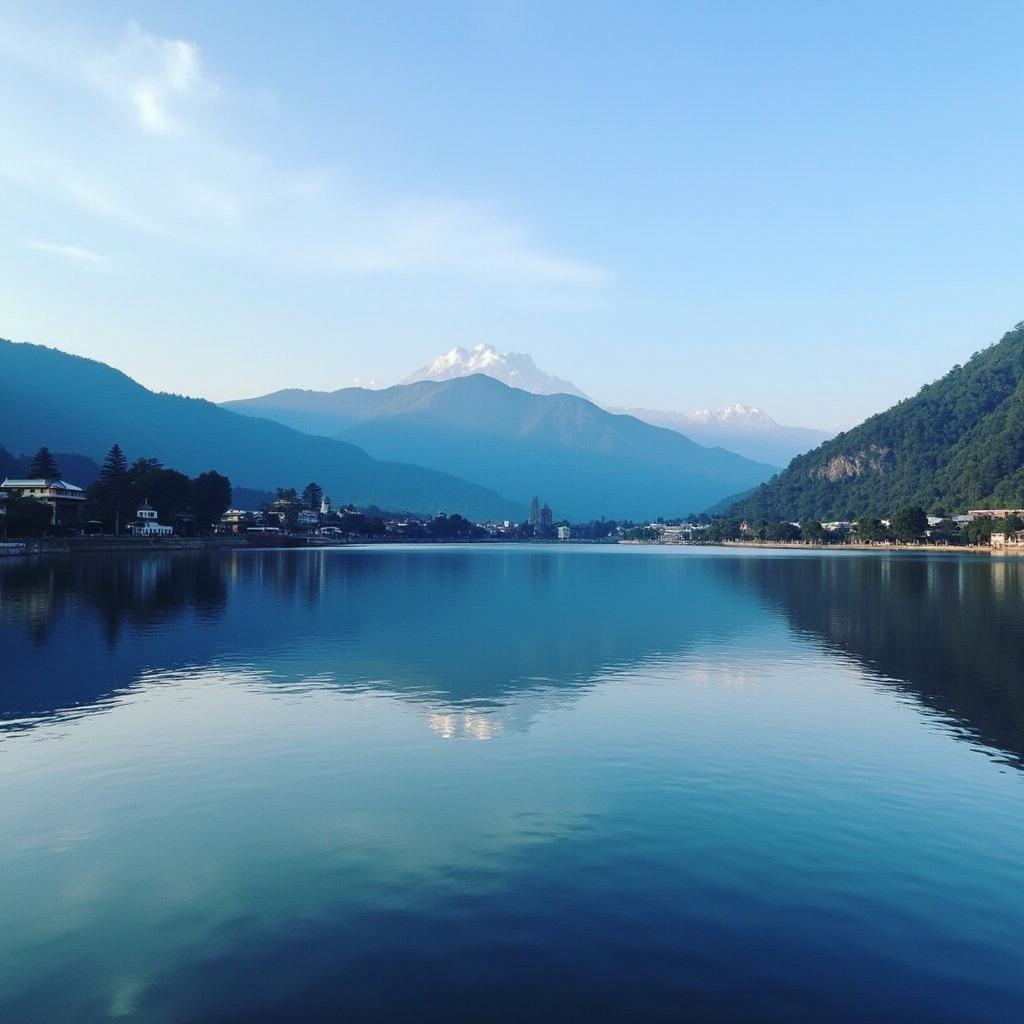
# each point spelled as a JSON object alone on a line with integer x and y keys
{"x": 535, "y": 511}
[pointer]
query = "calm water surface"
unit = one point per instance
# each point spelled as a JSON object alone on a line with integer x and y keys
{"x": 512, "y": 784}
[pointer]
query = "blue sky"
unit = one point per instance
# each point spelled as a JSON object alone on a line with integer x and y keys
{"x": 814, "y": 208}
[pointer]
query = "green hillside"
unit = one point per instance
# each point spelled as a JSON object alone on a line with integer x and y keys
{"x": 73, "y": 404}
{"x": 958, "y": 443}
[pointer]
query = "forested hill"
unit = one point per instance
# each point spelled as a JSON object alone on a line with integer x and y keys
{"x": 957, "y": 443}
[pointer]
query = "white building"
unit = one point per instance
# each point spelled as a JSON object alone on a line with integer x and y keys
{"x": 235, "y": 520}
{"x": 564, "y": 532}
{"x": 838, "y": 526}
{"x": 146, "y": 524}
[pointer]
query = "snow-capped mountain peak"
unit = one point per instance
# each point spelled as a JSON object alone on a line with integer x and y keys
{"x": 735, "y": 415}
{"x": 459, "y": 359}
{"x": 744, "y": 429}
{"x": 516, "y": 369}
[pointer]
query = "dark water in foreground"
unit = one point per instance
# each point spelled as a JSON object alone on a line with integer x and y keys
{"x": 512, "y": 784}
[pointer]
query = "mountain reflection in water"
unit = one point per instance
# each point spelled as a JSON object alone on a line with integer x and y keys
{"x": 949, "y": 631}
{"x": 511, "y": 783}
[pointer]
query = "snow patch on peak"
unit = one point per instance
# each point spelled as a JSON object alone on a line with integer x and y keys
{"x": 516, "y": 369}
{"x": 735, "y": 415}
{"x": 453, "y": 357}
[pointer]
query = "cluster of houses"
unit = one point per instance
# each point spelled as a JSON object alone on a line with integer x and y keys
{"x": 840, "y": 530}
{"x": 681, "y": 533}
{"x": 1002, "y": 540}
{"x": 66, "y": 502}
{"x": 240, "y": 520}
{"x": 843, "y": 528}
{"x": 284, "y": 516}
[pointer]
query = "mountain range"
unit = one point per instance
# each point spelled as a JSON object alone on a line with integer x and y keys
{"x": 743, "y": 429}
{"x": 69, "y": 403}
{"x": 476, "y": 445}
{"x": 583, "y": 460}
{"x": 958, "y": 443}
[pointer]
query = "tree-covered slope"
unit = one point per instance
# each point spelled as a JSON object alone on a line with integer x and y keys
{"x": 957, "y": 443}
{"x": 69, "y": 403}
{"x": 584, "y": 461}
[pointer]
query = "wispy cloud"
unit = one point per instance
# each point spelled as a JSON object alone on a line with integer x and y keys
{"x": 147, "y": 138}
{"x": 74, "y": 252}
{"x": 154, "y": 78}
{"x": 443, "y": 236}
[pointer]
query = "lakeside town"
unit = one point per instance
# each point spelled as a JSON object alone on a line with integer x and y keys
{"x": 147, "y": 501}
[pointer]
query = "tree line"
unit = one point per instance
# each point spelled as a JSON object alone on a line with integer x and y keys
{"x": 288, "y": 502}
{"x": 120, "y": 490}
{"x": 906, "y": 526}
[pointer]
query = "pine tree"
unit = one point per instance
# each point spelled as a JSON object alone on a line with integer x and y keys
{"x": 44, "y": 465}
{"x": 115, "y": 466}
{"x": 113, "y": 484}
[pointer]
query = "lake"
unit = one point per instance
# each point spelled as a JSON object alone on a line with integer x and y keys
{"x": 512, "y": 783}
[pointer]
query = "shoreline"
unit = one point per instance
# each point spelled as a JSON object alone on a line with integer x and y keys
{"x": 854, "y": 546}
{"x": 83, "y": 545}
{"x": 143, "y": 545}
{"x": 799, "y": 545}
{"x": 24, "y": 548}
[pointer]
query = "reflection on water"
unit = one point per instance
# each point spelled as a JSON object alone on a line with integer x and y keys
{"x": 949, "y": 630}
{"x": 478, "y": 627}
{"x": 456, "y": 627}
{"x": 511, "y": 783}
